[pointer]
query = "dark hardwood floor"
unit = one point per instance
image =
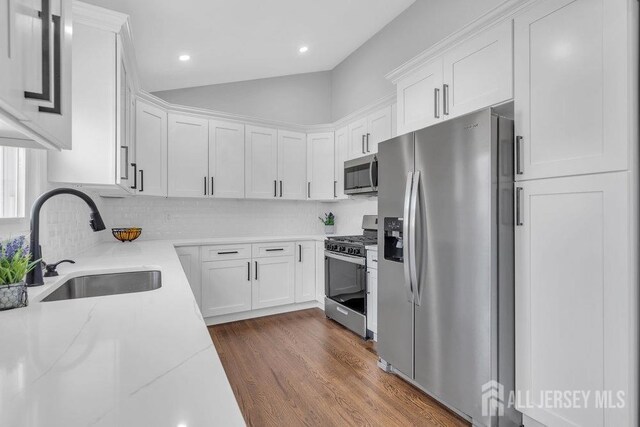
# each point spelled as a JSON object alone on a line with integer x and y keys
{"x": 302, "y": 369}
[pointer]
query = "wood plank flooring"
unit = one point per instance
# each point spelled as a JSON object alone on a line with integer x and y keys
{"x": 302, "y": 369}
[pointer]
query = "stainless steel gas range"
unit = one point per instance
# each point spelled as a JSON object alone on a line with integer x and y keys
{"x": 345, "y": 278}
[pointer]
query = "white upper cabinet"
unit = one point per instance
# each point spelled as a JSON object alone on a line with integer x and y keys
{"x": 261, "y": 162}
{"x": 572, "y": 88}
{"x": 479, "y": 72}
{"x": 420, "y": 98}
{"x": 226, "y": 159}
{"x": 320, "y": 164}
{"x": 46, "y": 62}
{"x": 305, "y": 271}
{"x": 573, "y": 285}
{"x": 151, "y": 150}
{"x": 11, "y": 83}
{"x": 292, "y": 165}
{"x": 378, "y": 129}
{"x": 340, "y": 155}
{"x": 357, "y": 138}
{"x": 188, "y": 156}
{"x": 102, "y": 126}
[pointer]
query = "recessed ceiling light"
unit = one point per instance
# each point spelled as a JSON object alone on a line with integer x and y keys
{"x": 184, "y": 57}
{"x": 303, "y": 49}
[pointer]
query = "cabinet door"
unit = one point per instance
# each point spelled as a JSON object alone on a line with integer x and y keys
{"x": 341, "y": 147}
{"x": 190, "y": 260}
{"x": 292, "y": 169}
{"x": 11, "y": 83}
{"x": 571, "y": 87}
{"x": 572, "y": 289}
{"x": 479, "y": 72}
{"x": 419, "y": 98}
{"x": 357, "y": 139}
{"x": 124, "y": 148}
{"x": 273, "y": 282}
{"x": 261, "y": 167}
{"x": 305, "y": 259}
{"x": 320, "y": 166}
{"x": 226, "y": 287}
{"x": 372, "y": 300}
{"x": 188, "y": 156}
{"x": 50, "y": 117}
{"x": 151, "y": 150}
{"x": 379, "y": 129}
{"x": 226, "y": 159}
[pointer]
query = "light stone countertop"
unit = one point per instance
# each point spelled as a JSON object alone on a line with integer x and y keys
{"x": 140, "y": 359}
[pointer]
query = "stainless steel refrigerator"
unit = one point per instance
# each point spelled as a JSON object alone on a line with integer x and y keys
{"x": 445, "y": 262}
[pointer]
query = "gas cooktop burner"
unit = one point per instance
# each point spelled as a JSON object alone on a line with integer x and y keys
{"x": 365, "y": 240}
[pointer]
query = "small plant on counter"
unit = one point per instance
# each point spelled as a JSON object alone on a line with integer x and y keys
{"x": 329, "y": 219}
{"x": 329, "y": 222}
{"x": 15, "y": 263}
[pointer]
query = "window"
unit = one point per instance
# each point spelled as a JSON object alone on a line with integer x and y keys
{"x": 12, "y": 182}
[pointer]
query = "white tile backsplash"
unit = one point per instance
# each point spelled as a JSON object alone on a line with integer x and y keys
{"x": 162, "y": 218}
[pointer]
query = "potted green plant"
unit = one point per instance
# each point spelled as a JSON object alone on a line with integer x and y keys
{"x": 329, "y": 222}
{"x": 15, "y": 263}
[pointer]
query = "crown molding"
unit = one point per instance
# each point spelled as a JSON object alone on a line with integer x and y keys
{"x": 98, "y": 17}
{"x": 380, "y": 103}
{"x": 499, "y": 14}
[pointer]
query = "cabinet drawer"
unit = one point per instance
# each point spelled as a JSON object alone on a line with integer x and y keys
{"x": 224, "y": 252}
{"x": 372, "y": 259}
{"x": 261, "y": 250}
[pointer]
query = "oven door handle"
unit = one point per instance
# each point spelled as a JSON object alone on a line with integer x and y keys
{"x": 347, "y": 258}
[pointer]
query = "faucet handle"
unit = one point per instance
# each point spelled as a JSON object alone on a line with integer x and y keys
{"x": 51, "y": 268}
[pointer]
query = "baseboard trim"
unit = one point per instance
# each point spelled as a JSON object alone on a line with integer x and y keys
{"x": 218, "y": 320}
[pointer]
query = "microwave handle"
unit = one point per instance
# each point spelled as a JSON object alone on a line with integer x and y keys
{"x": 373, "y": 159}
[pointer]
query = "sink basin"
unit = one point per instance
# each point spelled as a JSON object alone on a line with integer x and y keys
{"x": 98, "y": 285}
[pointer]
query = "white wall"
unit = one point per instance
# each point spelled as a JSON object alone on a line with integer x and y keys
{"x": 359, "y": 79}
{"x": 301, "y": 98}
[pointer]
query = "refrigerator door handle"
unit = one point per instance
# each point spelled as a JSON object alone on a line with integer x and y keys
{"x": 413, "y": 267}
{"x": 405, "y": 234}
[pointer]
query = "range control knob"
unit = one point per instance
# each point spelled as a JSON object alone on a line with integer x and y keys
{"x": 342, "y": 248}
{"x": 350, "y": 250}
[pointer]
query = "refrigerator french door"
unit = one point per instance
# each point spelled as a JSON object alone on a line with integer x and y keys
{"x": 445, "y": 314}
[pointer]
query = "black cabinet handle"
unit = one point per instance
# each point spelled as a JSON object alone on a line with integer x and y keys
{"x": 45, "y": 16}
{"x": 335, "y": 189}
{"x": 308, "y": 190}
{"x": 57, "y": 69}
{"x": 280, "y": 188}
{"x": 368, "y": 134}
{"x": 212, "y": 186}
{"x": 274, "y": 250}
{"x": 300, "y": 253}
{"x": 135, "y": 175}
{"x": 248, "y": 271}
{"x": 205, "y": 185}
{"x": 227, "y": 252}
{"x": 363, "y": 152}
{"x": 141, "y": 180}
{"x": 256, "y": 270}
{"x": 275, "y": 188}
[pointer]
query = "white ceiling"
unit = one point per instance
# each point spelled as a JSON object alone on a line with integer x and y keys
{"x": 235, "y": 40}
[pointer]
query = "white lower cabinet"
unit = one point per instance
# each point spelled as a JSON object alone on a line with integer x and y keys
{"x": 305, "y": 270}
{"x": 190, "y": 260}
{"x": 575, "y": 295}
{"x": 372, "y": 300}
{"x": 273, "y": 282}
{"x": 226, "y": 287}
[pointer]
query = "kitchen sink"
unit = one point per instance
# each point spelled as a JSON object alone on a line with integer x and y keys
{"x": 98, "y": 285}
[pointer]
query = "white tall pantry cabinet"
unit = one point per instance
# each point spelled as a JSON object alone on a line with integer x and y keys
{"x": 576, "y": 231}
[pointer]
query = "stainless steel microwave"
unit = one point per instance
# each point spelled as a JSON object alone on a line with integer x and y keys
{"x": 361, "y": 175}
